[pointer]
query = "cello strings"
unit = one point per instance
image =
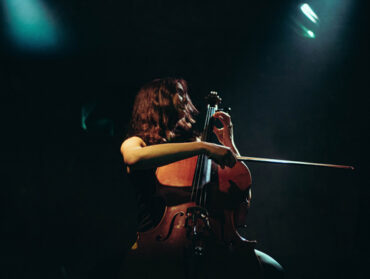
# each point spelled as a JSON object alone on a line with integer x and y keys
{"x": 198, "y": 190}
{"x": 202, "y": 198}
{"x": 199, "y": 166}
{"x": 196, "y": 180}
{"x": 198, "y": 169}
{"x": 203, "y": 157}
{"x": 209, "y": 162}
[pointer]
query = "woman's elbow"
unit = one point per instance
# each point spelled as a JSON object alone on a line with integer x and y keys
{"x": 131, "y": 153}
{"x": 130, "y": 160}
{"x": 133, "y": 161}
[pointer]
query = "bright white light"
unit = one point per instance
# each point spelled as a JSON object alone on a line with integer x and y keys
{"x": 306, "y": 9}
{"x": 311, "y": 34}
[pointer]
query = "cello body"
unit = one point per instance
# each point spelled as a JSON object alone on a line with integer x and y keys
{"x": 193, "y": 241}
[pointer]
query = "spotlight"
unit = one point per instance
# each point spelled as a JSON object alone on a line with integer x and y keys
{"x": 306, "y": 21}
{"x": 309, "y": 13}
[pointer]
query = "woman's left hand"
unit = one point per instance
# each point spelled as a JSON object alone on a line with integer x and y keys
{"x": 225, "y": 134}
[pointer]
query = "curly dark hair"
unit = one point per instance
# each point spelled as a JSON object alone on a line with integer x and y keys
{"x": 163, "y": 112}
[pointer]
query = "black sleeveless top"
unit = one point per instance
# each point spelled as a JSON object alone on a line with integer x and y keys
{"x": 152, "y": 198}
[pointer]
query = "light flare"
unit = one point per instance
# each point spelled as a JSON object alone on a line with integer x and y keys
{"x": 308, "y": 12}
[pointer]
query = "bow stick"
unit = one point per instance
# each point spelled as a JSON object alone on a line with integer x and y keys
{"x": 277, "y": 161}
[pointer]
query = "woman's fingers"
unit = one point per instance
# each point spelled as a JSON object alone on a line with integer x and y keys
{"x": 223, "y": 117}
{"x": 217, "y": 131}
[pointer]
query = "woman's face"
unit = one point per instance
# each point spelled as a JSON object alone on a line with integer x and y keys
{"x": 180, "y": 100}
{"x": 180, "y": 93}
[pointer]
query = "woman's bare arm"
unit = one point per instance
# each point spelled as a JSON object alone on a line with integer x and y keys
{"x": 137, "y": 155}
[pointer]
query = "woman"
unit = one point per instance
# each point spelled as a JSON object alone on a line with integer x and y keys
{"x": 161, "y": 132}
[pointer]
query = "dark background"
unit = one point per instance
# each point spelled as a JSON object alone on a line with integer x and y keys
{"x": 68, "y": 209}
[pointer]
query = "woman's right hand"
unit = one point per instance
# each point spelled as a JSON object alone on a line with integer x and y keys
{"x": 222, "y": 155}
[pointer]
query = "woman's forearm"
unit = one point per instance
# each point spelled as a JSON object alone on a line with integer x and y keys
{"x": 161, "y": 154}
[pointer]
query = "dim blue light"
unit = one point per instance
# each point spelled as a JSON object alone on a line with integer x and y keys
{"x": 30, "y": 24}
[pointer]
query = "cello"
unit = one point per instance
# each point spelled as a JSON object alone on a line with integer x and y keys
{"x": 199, "y": 238}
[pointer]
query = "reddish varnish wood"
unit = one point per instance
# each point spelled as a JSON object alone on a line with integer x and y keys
{"x": 177, "y": 174}
{"x": 239, "y": 174}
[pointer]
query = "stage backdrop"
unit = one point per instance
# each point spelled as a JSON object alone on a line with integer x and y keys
{"x": 69, "y": 72}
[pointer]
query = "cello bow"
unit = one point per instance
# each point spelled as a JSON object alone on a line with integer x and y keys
{"x": 289, "y": 162}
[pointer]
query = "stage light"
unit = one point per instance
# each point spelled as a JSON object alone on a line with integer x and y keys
{"x": 307, "y": 32}
{"x": 309, "y": 13}
{"x": 311, "y": 34}
{"x": 30, "y": 24}
{"x": 305, "y": 21}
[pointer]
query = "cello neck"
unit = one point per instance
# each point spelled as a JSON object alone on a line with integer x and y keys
{"x": 202, "y": 174}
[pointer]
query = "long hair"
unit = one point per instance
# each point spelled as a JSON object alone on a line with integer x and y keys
{"x": 163, "y": 112}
